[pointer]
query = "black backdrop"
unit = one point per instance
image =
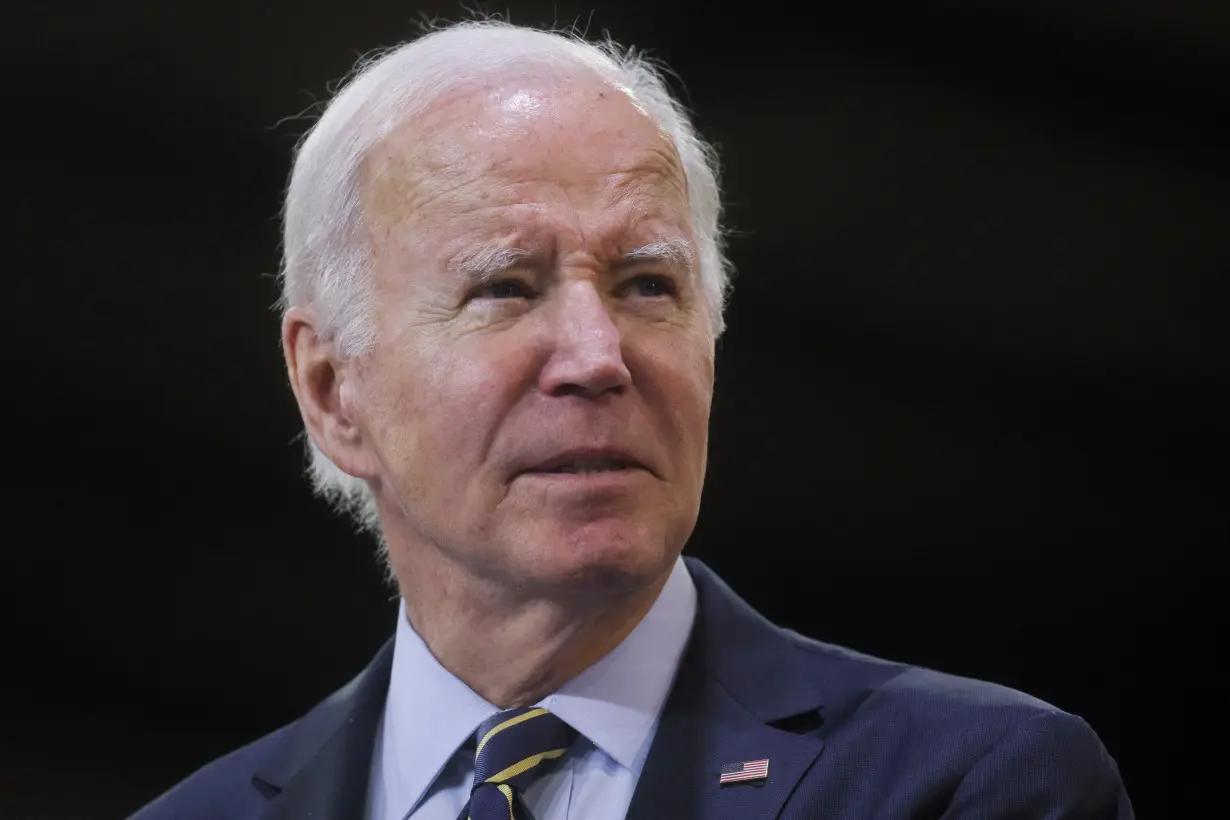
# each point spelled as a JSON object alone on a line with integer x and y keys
{"x": 969, "y": 414}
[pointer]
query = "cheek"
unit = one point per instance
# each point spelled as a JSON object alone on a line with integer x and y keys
{"x": 444, "y": 403}
{"x": 684, "y": 376}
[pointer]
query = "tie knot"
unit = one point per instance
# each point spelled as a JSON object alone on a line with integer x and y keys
{"x": 514, "y": 746}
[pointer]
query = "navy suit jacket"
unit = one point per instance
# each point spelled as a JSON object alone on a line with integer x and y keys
{"x": 846, "y": 735}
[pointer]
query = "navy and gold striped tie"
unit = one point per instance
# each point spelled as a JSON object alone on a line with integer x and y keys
{"x": 514, "y": 748}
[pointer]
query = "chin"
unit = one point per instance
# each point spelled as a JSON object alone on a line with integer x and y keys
{"x": 609, "y": 554}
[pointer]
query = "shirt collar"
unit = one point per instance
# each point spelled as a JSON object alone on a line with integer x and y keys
{"x": 428, "y": 715}
{"x": 614, "y": 703}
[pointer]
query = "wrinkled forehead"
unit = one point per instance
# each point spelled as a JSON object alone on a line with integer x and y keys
{"x": 577, "y": 133}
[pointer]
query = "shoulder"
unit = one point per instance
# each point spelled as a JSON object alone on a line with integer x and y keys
{"x": 956, "y": 738}
{"x": 221, "y": 788}
{"x": 864, "y": 695}
{"x": 878, "y": 714}
{"x": 924, "y": 700}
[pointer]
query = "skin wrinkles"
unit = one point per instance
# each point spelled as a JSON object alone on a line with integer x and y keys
{"x": 518, "y": 581}
{"x": 431, "y": 164}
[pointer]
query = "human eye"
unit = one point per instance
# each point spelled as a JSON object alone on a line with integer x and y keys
{"x": 504, "y": 289}
{"x": 651, "y": 286}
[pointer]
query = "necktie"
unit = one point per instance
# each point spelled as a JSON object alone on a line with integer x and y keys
{"x": 514, "y": 747}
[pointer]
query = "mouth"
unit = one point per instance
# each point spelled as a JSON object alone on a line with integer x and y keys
{"x": 588, "y": 466}
{"x": 586, "y": 463}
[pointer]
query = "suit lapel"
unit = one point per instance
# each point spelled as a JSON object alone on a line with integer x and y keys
{"x": 322, "y": 767}
{"x": 739, "y": 680}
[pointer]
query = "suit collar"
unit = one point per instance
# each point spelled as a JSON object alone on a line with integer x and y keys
{"x": 322, "y": 766}
{"x": 738, "y": 645}
{"x": 740, "y": 685}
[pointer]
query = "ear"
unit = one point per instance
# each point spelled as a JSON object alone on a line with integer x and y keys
{"x": 317, "y": 377}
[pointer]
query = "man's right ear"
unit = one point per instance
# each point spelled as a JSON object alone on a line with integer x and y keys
{"x": 317, "y": 376}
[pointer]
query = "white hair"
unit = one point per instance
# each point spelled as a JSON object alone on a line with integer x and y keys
{"x": 326, "y": 260}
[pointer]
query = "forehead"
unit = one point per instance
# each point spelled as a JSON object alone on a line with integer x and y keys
{"x": 525, "y": 153}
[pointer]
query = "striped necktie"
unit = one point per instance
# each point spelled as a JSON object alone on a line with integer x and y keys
{"x": 514, "y": 748}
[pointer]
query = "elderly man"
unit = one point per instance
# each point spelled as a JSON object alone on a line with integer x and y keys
{"x": 503, "y": 284}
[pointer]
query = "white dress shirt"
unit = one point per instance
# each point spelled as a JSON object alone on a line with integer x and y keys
{"x": 423, "y": 760}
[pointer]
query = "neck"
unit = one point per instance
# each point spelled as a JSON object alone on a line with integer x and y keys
{"x": 514, "y": 648}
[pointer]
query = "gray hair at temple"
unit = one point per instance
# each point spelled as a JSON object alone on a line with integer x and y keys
{"x": 326, "y": 261}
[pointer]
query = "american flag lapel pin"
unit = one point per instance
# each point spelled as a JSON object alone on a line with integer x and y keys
{"x": 744, "y": 772}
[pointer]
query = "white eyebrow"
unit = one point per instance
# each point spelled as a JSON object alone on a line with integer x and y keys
{"x": 674, "y": 251}
{"x": 484, "y": 263}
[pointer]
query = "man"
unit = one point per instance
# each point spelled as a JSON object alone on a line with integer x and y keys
{"x": 503, "y": 284}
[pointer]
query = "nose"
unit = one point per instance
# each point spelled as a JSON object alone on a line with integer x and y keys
{"x": 586, "y": 356}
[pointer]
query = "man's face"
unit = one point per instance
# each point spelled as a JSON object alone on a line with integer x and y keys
{"x": 548, "y": 423}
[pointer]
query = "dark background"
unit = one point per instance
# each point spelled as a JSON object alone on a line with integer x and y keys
{"x": 971, "y": 408}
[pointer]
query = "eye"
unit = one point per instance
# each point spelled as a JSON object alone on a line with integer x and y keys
{"x": 652, "y": 286}
{"x": 504, "y": 289}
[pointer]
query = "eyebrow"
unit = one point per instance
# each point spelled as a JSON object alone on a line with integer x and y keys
{"x": 482, "y": 264}
{"x": 674, "y": 251}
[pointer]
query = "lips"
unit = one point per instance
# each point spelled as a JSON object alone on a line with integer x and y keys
{"x": 587, "y": 461}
